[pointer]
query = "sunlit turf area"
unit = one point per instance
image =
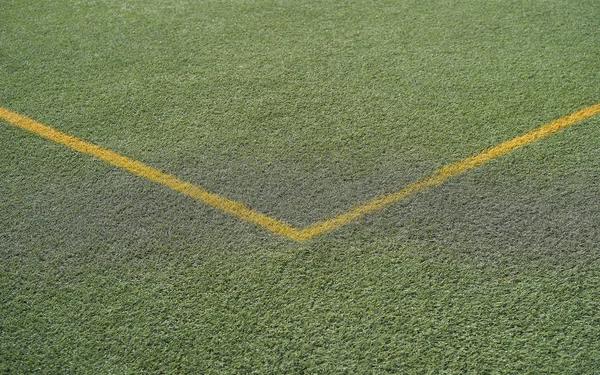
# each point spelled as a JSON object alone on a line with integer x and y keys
{"x": 300, "y": 110}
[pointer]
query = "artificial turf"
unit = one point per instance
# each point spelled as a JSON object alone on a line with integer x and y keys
{"x": 300, "y": 109}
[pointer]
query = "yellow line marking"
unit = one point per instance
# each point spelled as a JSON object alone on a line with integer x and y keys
{"x": 449, "y": 170}
{"x": 237, "y": 209}
{"x": 279, "y": 227}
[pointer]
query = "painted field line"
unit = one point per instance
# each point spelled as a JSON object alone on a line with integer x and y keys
{"x": 448, "y": 171}
{"x": 279, "y": 227}
{"x": 235, "y": 208}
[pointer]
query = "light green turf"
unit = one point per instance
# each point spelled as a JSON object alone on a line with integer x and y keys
{"x": 300, "y": 109}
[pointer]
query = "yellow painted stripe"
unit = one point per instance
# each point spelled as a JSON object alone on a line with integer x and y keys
{"x": 233, "y": 207}
{"x": 279, "y": 227}
{"x": 448, "y": 171}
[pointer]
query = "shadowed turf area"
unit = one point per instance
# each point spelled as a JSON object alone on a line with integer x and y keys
{"x": 300, "y": 110}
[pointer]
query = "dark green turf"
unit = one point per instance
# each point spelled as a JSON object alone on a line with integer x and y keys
{"x": 300, "y": 109}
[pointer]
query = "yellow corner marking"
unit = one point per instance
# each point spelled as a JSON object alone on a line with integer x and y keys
{"x": 279, "y": 227}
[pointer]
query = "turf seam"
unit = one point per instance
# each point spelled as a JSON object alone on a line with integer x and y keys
{"x": 280, "y": 227}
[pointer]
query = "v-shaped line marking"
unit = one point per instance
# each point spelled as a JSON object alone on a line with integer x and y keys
{"x": 280, "y": 227}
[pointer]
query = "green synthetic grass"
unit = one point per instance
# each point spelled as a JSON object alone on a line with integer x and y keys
{"x": 300, "y": 109}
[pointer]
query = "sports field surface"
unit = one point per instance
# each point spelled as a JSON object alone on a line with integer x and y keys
{"x": 297, "y": 187}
